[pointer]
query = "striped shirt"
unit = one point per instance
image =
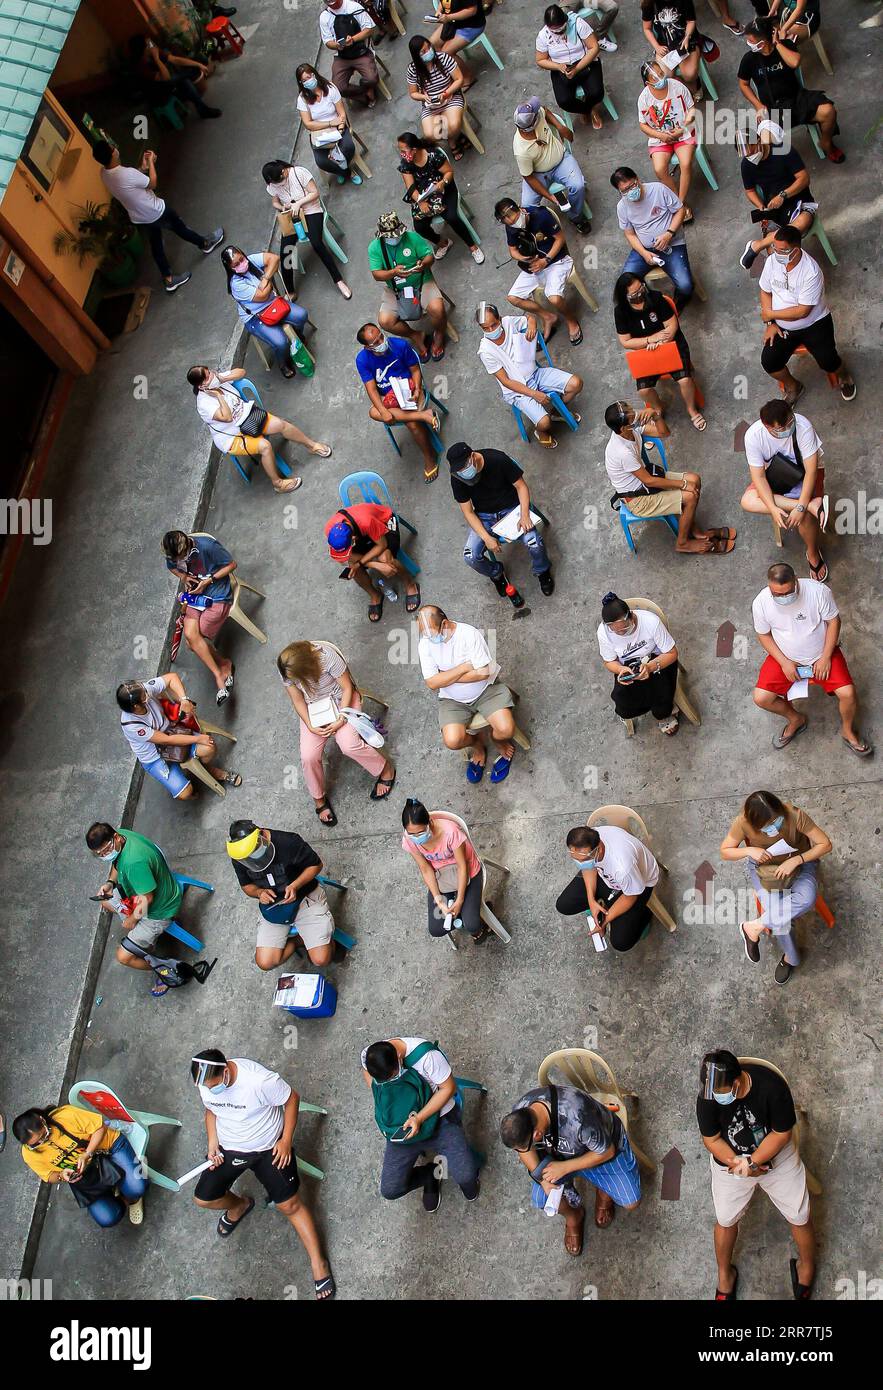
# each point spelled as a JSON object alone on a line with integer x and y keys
{"x": 333, "y": 667}
{"x": 442, "y": 71}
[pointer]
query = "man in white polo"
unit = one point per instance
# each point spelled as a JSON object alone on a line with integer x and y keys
{"x": 508, "y": 351}
{"x": 795, "y": 314}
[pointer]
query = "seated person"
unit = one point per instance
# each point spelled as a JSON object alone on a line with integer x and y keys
{"x": 162, "y": 732}
{"x": 667, "y": 115}
{"x": 166, "y": 75}
{"x": 449, "y": 867}
{"x": 402, "y": 262}
{"x": 776, "y": 185}
{"x": 617, "y": 875}
{"x": 771, "y": 65}
{"x": 279, "y": 870}
{"x": 784, "y": 441}
{"x": 651, "y": 218}
{"x": 639, "y": 650}
{"x": 365, "y": 540}
{"x": 489, "y": 485}
{"x": 508, "y": 351}
{"x": 389, "y": 369}
{"x": 645, "y": 319}
{"x": 538, "y": 247}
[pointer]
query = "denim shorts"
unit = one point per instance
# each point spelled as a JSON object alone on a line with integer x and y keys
{"x": 169, "y": 774}
{"x": 470, "y": 34}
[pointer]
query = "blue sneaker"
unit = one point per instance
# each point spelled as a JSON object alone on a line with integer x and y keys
{"x": 356, "y": 179}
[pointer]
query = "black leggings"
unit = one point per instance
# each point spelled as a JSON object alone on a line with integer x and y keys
{"x": 330, "y": 166}
{"x": 423, "y": 225}
{"x": 314, "y": 221}
{"x": 625, "y": 931}
{"x": 653, "y": 696}
{"x": 470, "y": 913}
{"x": 591, "y": 80}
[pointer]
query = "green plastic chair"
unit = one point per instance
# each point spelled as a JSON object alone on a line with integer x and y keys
{"x": 706, "y": 79}
{"x": 606, "y": 102}
{"x": 818, "y": 231}
{"x": 812, "y": 129}
{"x": 484, "y": 42}
{"x": 704, "y": 164}
{"x": 134, "y": 1124}
{"x": 172, "y": 112}
{"x": 465, "y": 214}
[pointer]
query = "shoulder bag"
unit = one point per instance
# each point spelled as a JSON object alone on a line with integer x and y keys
{"x": 783, "y": 473}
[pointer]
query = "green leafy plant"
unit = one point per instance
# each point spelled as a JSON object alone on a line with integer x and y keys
{"x": 101, "y": 233}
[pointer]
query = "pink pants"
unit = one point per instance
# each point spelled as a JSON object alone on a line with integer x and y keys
{"x": 312, "y": 747}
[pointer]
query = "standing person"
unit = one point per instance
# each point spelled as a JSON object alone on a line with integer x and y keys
{"x": 243, "y": 428}
{"x": 448, "y": 865}
{"x": 782, "y": 448}
{"x": 640, "y": 652}
{"x": 747, "y": 1119}
{"x": 279, "y": 870}
{"x": 780, "y": 847}
{"x": 651, "y": 218}
{"x": 401, "y": 261}
{"x": 798, "y": 625}
{"x": 432, "y": 193}
{"x": 435, "y": 81}
{"x": 389, "y": 370}
{"x": 158, "y": 720}
{"x": 418, "y": 1111}
{"x": 455, "y": 661}
{"x": 776, "y": 184}
{"x": 365, "y": 539}
{"x": 324, "y": 115}
{"x": 538, "y": 246}
{"x": 670, "y": 25}
{"x": 543, "y": 156}
{"x": 490, "y": 486}
{"x": 657, "y": 494}
{"x": 204, "y": 567}
{"x": 346, "y": 29}
{"x": 463, "y": 21}
{"x": 561, "y": 1133}
{"x": 795, "y": 313}
{"x": 314, "y": 671}
{"x": 645, "y": 320}
{"x": 771, "y": 66}
{"x": 508, "y": 351}
{"x": 250, "y": 284}
{"x": 568, "y": 49}
{"x": 295, "y": 195}
{"x": 135, "y": 189}
{"x": 667, "y": 115}
{"x": 617, "y": 874}
{"x": 59, "y": 1145}
{"x": 165, "y": 75}
{"x": 250, "y": 1118}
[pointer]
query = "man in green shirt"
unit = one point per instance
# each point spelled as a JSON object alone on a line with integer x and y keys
{"x": 140, "y": 871}
{"x": 402, "y": 262}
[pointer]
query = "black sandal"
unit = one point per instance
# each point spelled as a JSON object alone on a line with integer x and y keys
{"x": 321, "y": 1285}
{"x": 801, "y": 1291}
{"x": 731, "y": 1296}
{"x": 326, "y": 806}
{"x": 375, "y": 610}
{"x": 412, "y": 601}
{"x": 226, "y": 1227}
{"x": 384, "y": 782}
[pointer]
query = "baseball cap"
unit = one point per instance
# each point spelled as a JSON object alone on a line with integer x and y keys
{"x": 340, "y": 540}
{"x": 526, "y": 113}
{"x": 458, "y": 454}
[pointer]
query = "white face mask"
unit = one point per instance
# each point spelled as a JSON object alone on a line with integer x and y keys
{"x": 783, "y": 257}
{"x": 754, "y": 158}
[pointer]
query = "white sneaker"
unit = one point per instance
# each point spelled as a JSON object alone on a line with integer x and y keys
{"x": 608, "y": 45}
{"x": 477, "y": 255}
{"x": 442, "y": 250}
{"x": 136, "y": 1212}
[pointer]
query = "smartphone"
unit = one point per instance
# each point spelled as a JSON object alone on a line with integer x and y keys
{"x": 400, "y": 1136}
{"x": 804, "y": 672}
{"x": 562, "y": 200}
{"x": 627, "y": 679}
{"x": 345, "y": 573}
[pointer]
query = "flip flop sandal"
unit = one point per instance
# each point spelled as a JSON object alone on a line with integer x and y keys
{"x": 689, "y": 217}
{"x": 231, "y": 779}
{"x": 792, "y": 397}
{"x": 801, "y": 1292}
{"x": 436, "y": 423}
{"x": 551, "y": 333}
{"x": 474, "y": 772}
{"x": 699, "y": 422}
{"x": 384, "y": 782}
{"x": 431, "y": 476}
{"x": 722, "y": 533}
{"x": 288, "y": 485}
{"x": 412, "y": 601}
{"x": 324, "y": 452}
{"x": 575, "y": 1254}
{"x": 437, "y": 353}
{"x": 670, "y": 727}
{"x": 326, "y": 806}
{"x": 549, "y": 443}
{"x": 159, "y": 989}
{"x": 375, "y": 610}
{"x": 575, "y": 342}
{"x": 731, "y": 1296}
{"x": 458, "y": 152}
{"x": 819, "y": 571}
{"x": 325, "y": 1288}
{"x": 780, "y": 741}
{"x": 722, "y": 546}
{"x": 822, "y": 517}
{"x": 864, "y": 752}
{"x": 500, "y": 769}
{"x": 226, "y": 1227}
{"x": 424, "y": 355}
{"x": 609, "y": 1212}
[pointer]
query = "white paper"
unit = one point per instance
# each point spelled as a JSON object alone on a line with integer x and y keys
{"x": 672, "y": 59}
{"x": 508, "y": 527}
{"x": 297, "y": 991}
{"x": 401, "y": 389}
{"x": 798, "y": 691}
{"x": 194, "y": 1173}
{"x": 780, "y": 847}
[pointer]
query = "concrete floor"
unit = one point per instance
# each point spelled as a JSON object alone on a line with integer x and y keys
{"x": 125, "y": 471}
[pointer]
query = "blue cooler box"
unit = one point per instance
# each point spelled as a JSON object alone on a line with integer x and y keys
{"x": 321, "y": 1004}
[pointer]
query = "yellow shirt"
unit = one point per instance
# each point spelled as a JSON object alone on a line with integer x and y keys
{"x": 540, "y": 155}
{"x": 59, "y": 1153}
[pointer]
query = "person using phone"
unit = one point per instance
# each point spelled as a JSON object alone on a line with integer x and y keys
{"x": 449, "y": 867}
{"x": 798, "y": 623}
{"x": 436, "y": 84}
{"x": 158, "y": 720}
{"x": 251, "y": 286}
{"x": 462, "y": 22}
{"x": 542, "y": 146}
{"x": 203, "y": 567}
{"x": 59, "y": 1145}
{"x": 538, "y": 246}
{"x": 651, "y": 218}
{"x": 780, "y": 847}
{"x": 639, "y": 650}
{"x": 782, "y": 441}
{"x": 364, "y": 540}
{"x": 568, "y": 49}
{"x": 418, "y": 1111}
{"x": 617, "y": 874}
{"x": 670, "y": 26}
{"x": 776, "y": 184}
{"x": 279, "y": 870}
{"x": 347, "y": 30}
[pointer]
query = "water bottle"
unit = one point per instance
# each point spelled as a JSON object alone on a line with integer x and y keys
{"x": 301, "y": 358}
{"x": 387, "y": 591}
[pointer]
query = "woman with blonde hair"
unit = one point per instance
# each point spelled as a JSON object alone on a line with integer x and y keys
{"x": 319, "y": 685}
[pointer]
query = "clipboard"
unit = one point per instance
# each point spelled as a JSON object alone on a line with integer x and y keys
{"x": 658, "y": 362}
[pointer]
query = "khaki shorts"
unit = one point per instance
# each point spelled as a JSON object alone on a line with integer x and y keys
{"x": 429, "y": 293}
{"x": 784, "y": 1184}
{"x": 494, "y": 698}
{"x": 314, "y": 923}
{"x": 665, "y": 502}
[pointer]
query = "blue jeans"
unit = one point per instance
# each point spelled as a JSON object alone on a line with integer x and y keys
{"x": 677, "y": 267}
{"x": 567, "y": 172}
{"x": 273, "y": 334}
{"x": 780, "y": 909}
{"x": 477, "y": 557}
{"x": 107, "y": 1211}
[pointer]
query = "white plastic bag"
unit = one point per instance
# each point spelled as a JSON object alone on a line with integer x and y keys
{"x": 364, "y": 727}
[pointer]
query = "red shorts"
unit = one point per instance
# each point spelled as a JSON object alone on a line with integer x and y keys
{"x": 773, "y": 678}
{"x": 210, "y": 620}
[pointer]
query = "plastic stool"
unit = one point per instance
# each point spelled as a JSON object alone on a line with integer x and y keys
{"x": 225, "y": 34}
{"x": 172, "y": 112}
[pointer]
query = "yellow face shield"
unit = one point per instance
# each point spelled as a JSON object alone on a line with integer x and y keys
{"x": 241, "y": 849}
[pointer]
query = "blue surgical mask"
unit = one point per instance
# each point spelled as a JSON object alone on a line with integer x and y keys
{"x": 379, "y": 346}
{"x": 785, "y": 599}
{"x": 726, "y": 1099}
{"x": 583, "y": 864}
{"x": 393, "y": 240}
{"x": 221, "y": 1086}
{"x": 774, "y": 826}
{"x": 436, "y": 637}
{"x": 784, "y": 433}
{"x": 429, "y": 55}
{"x": 110, "y": 856}
{"x": 422, "y": 837}
{"x": 783, "y": 257}
{"x": 467, "y": 474}
{"x": 634, "y": 195}
{"x": 311, "y": 83}
{"x": 494, "y": 332}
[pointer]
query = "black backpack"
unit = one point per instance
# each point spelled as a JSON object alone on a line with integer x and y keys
{"x": 345, "y": 26}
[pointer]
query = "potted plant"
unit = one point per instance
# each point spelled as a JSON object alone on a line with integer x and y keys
{"x": 104, "y": 234}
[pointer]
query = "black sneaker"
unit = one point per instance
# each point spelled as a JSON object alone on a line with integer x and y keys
{"x": 784, "y": 971}
{"x": 584, "y": 225}
{"x": 477, "y": 1191}
{"x": 752, "y": 950}
{"x": 431, "y": 1194}
{"x": 748, "y": 257}
{"x": 547, "y": 582}
{"x": 500, "y": 584}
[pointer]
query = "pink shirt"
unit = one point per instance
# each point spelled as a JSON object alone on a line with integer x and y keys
{"x": 442, "y": 854}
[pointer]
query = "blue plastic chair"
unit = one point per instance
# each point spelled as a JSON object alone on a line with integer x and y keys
{"x": 464, "y": 1084}
{"x": 280, "y": 912}
{"x": 175, "y": 929}
{"x": 554, "y": 397}
{"x": 249, "y": 392}
{"x": 437, "y": 443}
{"x": 371, "y": 488}
{"x": 629, "y": 519}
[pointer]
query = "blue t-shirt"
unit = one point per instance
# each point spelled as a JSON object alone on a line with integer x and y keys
{"x": 398, "y": 360}
{"x": 242, "y": 288}
{"x": 207, "y": 556}
{"x": 544, "y": 227}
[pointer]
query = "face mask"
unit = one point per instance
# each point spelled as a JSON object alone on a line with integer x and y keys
{"x": 241, "y": 267}
{"x": 467, "y": 474}
{"x": 754, "y": 158}
{"x": 659, "y": 84}
{"x": 785, "y": 433}
{"x": 785, "y": 599}
{"x": 783, "y": 257}
{"x": 774, "y": 826}
{"x": 393, "y": 240}
{"x": 436, "y": 637}
{"x": 755, "y": 47}
{"x": 379, "y": 346}
{"x": 559, "y": 33}
{"x": 110, "y": 856}
{"x": 421, "y": 838}
{"x": 221, "y": 1086}
{"x": 629, "y": 630}
{"x": 492, "y": 332}
{"x": 429, "y": 55}
{"x": 634, "y": 195}
{"x": 725, "y": 1099}
{"x": 311, "y": 83}
{"x": 262, "y": 855}
{"x": 520, "y": 220}
{"x": 583, "y": 864}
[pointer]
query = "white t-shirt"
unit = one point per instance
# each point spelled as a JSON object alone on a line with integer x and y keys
{"x": 650, "y": 639}
{"x": 760, "y": 445}
{"x": 132, "y": 188}
{"x": 798, "y": 628}
{"x": 466, "y": 644}
{"x": 565, "y": 48}
{"x": 622, "y": 459}
{"x": 249, "y": 1113}
{"x": 804, "y": 284}
{"x": 223, "y": 430}
{"x": 326, "y": 22}
{"x": 292, "y": 189}
{"x": 138, "y": 727}
{"x": 628, "y": 866}
{"x": 516, "y": 356}
{"x": 666, "y": 113}
{"x": 323, "y": 108}
{"x": 433, "y": 1066}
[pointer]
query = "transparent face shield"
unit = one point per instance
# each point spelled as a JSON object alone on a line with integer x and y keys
{"x": 203, "y": 1068}
{"x": 714, "y": 1082}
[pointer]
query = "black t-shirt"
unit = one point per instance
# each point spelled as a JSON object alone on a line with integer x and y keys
{"x": 292, "y": 855}
{"x": 775, "y": 83}
{"x": 472, "y": 21}
{"x": 494, "y": 488}
{"x": 669, "y": 19}
{"x": 768, "y": 1106}
{"x": 773, "y": 174}
{"x": 641, "y": 323}
{"x": 541, "y": 228}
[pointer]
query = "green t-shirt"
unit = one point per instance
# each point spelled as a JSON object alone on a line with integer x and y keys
{"x": 141, "y": 868}
{"x": 411, "y": 249}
